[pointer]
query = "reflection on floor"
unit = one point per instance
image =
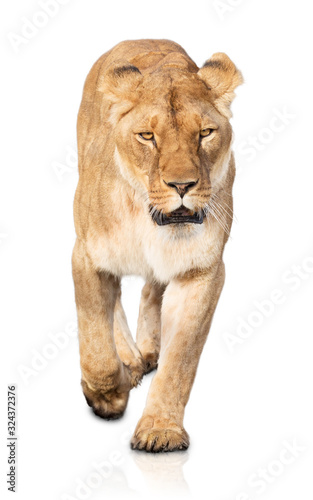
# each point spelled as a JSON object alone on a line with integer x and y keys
{"x": 163, "y": 472}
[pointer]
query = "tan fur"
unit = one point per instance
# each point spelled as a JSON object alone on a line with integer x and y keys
{"x": 150, "y": 86}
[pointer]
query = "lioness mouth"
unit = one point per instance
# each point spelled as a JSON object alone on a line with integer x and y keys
{"x": 178, "y": 216}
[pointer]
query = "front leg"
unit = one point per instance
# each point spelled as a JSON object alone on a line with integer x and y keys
{"x": 187, "y": 311}
{"x": 105, "y": 380}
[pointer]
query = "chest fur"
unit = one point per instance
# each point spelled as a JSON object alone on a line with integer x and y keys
{"x": 138, "y": 246}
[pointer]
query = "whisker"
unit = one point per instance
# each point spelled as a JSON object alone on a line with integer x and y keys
{"x": 225, "y": 229}
{"x": 144, "y": 194}
{"x": 218, "y": 211}
{"x": 215, "y": 196}
{"x": 232, "y": 216}
{"x": 211, "y": 211}
{"x": 222, "y": 203}
{"x": 206, "y": 208}
{"x": 153, "y": 211}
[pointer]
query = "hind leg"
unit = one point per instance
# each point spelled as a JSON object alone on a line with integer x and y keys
{"x": 149, "y": 324}
{"x": 126, "y": 346}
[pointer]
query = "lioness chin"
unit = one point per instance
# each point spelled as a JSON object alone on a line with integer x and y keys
{"x": 154, "y": 199}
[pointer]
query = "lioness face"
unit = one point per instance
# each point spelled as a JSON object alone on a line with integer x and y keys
{"x": 181, "y": 144}
{"x": 173, "y": 136}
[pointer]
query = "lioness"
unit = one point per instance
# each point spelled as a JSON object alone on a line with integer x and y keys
{"x": 154, "y": 199}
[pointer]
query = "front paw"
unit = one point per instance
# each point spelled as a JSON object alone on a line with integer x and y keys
{"x": 109, "y": 405}
{"x": 154, "y": 434}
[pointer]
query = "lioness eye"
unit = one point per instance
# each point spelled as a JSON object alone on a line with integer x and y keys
{"x": 147, "y": 135}
{"x": 205, "y": 132}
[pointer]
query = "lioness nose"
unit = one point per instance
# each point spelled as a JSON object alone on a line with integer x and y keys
{"x": 182, "y": 187}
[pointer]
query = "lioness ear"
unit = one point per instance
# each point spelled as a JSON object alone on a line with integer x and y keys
{"x": 222, "y": 77}
{"x": 119, "y": 81}
{"x": 118, "y": 84}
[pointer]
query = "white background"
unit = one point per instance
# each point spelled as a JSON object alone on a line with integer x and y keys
{"x": 248, "y": 400}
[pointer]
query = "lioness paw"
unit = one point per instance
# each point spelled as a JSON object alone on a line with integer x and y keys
{"x": 155, "y": 435}
{"x": 110, "y": 405}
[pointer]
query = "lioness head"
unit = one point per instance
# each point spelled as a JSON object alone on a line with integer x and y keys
{"x": 172, "y": 132}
